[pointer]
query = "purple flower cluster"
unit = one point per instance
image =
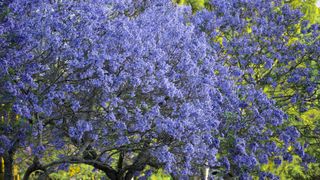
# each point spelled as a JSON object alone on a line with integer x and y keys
{"x": 271, "y": 43}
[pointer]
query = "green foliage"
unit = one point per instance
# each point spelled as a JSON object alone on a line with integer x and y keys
{"x": 309, "y": 8}
{"x": 293, "y": 170}
{"x": 81, "y": 171}
{"x": 160, "y": 175}
{"x": 195, "y": 4}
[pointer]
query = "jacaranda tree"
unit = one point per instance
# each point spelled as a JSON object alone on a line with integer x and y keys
{"x": 129, "y": 86}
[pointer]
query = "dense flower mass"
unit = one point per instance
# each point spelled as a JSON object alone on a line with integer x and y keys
{"x": 271, "y": 43}
{"x": 275, "y": 49}
{"x": 134, "y": 84}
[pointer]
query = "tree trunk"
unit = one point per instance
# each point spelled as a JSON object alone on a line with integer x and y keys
{"x": 29, "y": 171}
{"x": 117, "y": 176}
{"x": 32, "y": 168}
{"x": 8, "y": 166}
{"x": 1, "y": 169}
{"x": 205, "y": 173}
{"x": 129, "y": 176}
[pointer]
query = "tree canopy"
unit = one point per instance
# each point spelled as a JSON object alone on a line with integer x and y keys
{"x": 128, "y": 86}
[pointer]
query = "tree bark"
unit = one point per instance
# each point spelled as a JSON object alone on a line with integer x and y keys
{"x": 27, "y": 173}
{"x": 1, "y": 169}
{"x": 34, "y": 167}
{"x": 8, "y": 166}
{"x": 129, "y": 175}
{"x": 110, "y": 173}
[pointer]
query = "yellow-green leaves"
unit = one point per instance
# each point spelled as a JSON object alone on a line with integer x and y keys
{"x": 309, "y": 8}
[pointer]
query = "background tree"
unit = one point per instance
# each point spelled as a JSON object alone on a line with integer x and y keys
{"x": 277, "y": 50}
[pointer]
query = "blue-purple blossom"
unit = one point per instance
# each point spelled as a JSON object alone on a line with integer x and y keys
{"x": 141, "y": 81}
{"x": 277, "y": 161}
